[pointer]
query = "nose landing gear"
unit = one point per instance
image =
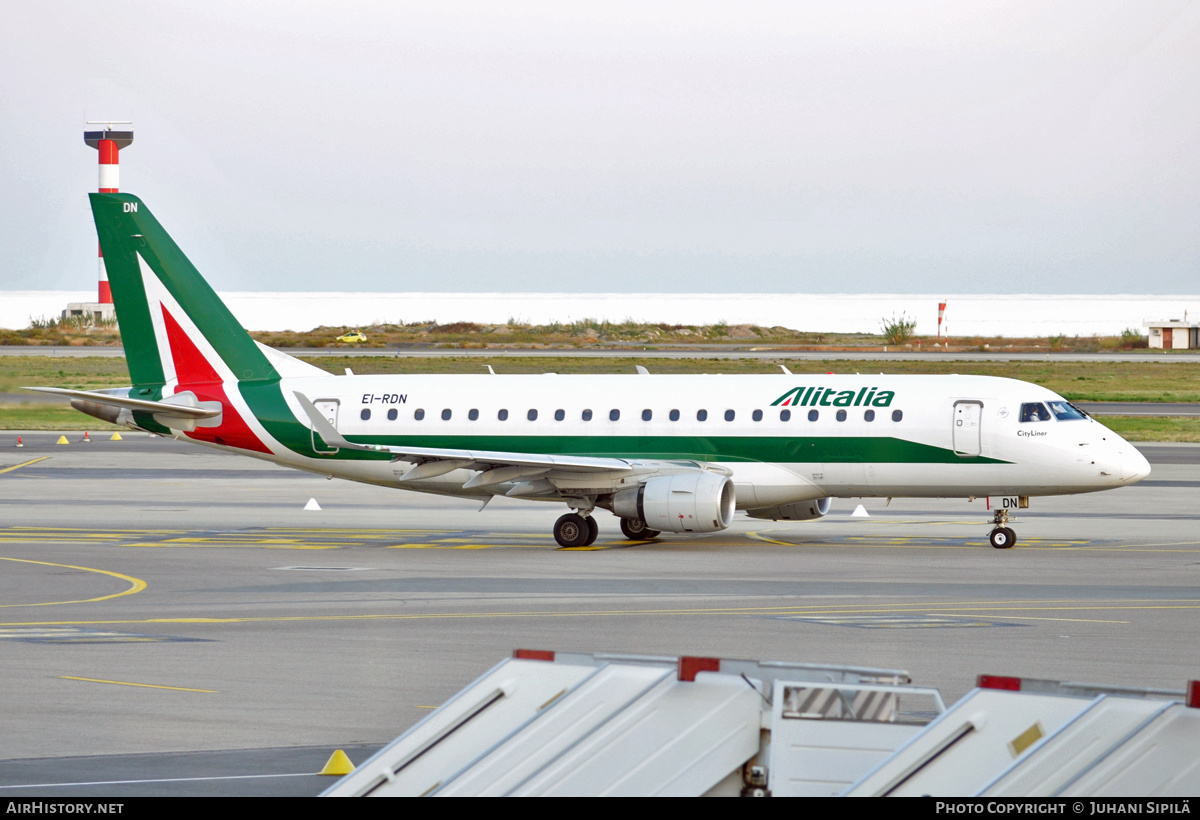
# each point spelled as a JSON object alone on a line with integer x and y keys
{"x": 1002, "y": 537}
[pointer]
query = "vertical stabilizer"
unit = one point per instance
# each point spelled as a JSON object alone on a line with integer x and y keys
{"x": 174, "y": 327}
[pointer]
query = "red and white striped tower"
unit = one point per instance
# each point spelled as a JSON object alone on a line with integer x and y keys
{"x": 109, "y": 143}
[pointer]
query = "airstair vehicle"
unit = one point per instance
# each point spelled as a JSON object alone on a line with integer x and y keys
{"x": 1040, "y": 738}
{"x": 546, "y": 723}
{"x": 567, "y": 723}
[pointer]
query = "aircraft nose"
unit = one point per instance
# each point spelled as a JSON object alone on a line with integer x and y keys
{"x": 1134, "y": 466}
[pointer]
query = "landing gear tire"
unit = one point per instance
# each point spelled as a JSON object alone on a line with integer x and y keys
{"x": 572, "y": 530}
{"x": 593, "y": 531}
{"x": 1002, "y": 538}
{"x": 636, "y": 530}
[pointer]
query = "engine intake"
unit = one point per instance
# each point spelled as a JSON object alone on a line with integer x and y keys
{"x": 683, "y": 502}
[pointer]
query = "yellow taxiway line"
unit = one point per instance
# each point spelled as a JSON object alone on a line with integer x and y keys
{"x": 136, "y": 585}
{"x": 23, "y": 464}
{"x": 948, "y": 608}
{"x": 143, "y": 685}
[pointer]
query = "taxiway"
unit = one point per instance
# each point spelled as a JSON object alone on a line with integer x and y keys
{"x": 174, "y": 622}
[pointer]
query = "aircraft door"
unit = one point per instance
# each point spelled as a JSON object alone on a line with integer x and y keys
{"x": 329, "y": 409}
{"x": 967, "y": 435}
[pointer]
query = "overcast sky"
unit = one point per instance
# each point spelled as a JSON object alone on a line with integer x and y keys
{"x": 888, "y": 146}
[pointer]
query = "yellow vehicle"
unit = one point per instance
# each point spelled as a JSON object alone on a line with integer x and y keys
{"x": 352, "y": 336}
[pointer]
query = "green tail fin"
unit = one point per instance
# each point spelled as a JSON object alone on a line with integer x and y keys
{"x": 163, "y": 302}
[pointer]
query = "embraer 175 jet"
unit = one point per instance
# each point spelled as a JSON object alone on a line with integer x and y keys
{"x": 670, "y": 453}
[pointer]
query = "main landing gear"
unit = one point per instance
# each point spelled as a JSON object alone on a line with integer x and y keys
{"x": 575, "y": 530}
{"x": 636, "y": 530}
{"x": 1002, "y": 537}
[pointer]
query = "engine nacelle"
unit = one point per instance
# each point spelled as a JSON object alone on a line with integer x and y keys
{"x": 104, "y": 412}
{"x": 683, "y": 502}
{"x": 797, "y": 511}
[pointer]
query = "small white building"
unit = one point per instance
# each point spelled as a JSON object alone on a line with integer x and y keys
{"x": 91, "y": 311}
{"x": 1174, "y": 334}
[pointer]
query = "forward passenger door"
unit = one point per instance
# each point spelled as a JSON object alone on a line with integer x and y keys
{"x": 967, "y": 435}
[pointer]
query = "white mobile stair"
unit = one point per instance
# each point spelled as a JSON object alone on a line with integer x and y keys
{"x": 559, "y": 723}
{"x": 1039, "y": 738}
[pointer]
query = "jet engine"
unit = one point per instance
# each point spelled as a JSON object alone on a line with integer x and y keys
{"x": 797, "y": 511}
{"x": 683, "y": 502}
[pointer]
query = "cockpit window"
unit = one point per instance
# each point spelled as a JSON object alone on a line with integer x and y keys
{"x": 1034, "y": 411}
{"x": 1065, "y": 411}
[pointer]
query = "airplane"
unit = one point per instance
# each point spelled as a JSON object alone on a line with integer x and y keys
{"x": 663, "y": 453}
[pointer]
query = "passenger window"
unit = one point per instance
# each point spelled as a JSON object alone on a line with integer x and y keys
{"x": 559, "y": 415}
{"x": 473, "y": 414}
{"x": 1034, "y": 411}
{"x": 446, "y": 414}
{"x": 701, "y": 415}
{"x": 613, "y": 415}
{"x": 841, "y": 415}
{"x": 365, "y": 414}
{"x": 587, "y": 415}
{"x": 897, "y": 415}
{"x": 756, "y": 415}
{"x": 647, "y": 415}
{"x": 531, "y": 415}
{"x": 418, "y": 414}
{"x": 674, "y": 415}
{"x": 813, "y": 415}
{"x": 502, "y": 415}
{"x": 392, "y": 414}
{"x": 1065, "y": 411}
{"x": 785, "y": 415}
{"x": 869, "y": 415}
{"x": 729, "y": 415}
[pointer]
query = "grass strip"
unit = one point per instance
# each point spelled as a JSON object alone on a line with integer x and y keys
{"x": 1080, "y": 381}
{"x": 1154, "y": 428}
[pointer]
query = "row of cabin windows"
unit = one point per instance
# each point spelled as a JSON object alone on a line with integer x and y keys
{"x": 614, "y": 415}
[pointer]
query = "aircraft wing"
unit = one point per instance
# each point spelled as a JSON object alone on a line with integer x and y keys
{"x": 473, "y": 459}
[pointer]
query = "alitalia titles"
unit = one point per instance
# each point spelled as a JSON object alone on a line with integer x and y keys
{"x": 832, "y": 397}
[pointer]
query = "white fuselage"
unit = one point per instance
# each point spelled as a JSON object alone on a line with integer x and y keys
{"x": 953, "y": 436}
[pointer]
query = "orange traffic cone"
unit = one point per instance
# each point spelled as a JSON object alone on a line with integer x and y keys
{"x": 85, "y": 437}
{"x": 19, "y": 444}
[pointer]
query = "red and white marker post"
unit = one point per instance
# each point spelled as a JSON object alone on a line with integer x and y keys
{"x": 109, "y": 144}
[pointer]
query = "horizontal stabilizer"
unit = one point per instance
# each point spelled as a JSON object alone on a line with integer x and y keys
{"x": 181, "y": 407}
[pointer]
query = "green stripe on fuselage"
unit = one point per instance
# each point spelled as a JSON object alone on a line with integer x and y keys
{"x": 777, "y": 449}
{"x": 266, "y": 401}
